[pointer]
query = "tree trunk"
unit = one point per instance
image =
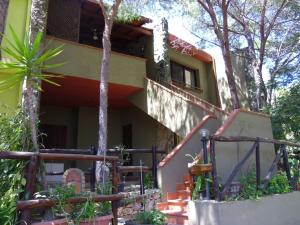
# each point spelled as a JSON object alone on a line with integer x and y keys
{"x": 3, "y": 13}
{"x": 38, "y": 20}
{"x": 101, "y": 171}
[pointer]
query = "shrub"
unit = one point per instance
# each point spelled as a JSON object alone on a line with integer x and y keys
{"x": 151, "y": 217}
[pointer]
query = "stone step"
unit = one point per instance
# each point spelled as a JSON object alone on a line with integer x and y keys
{"x": 178, "y": 195}
{"x": 186, "y": 178}
{"x": 183, "y": 186}
{"x": 175, "y": 204}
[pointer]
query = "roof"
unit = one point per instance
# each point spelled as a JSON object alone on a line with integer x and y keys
{"x": 188, "y": 49}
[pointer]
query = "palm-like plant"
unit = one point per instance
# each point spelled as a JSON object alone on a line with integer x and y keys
{"x": 25, "y": 65}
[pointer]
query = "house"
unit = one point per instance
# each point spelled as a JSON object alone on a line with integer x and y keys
{"x": 143, "y": 110}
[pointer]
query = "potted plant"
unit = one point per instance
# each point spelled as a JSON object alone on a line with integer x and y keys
{"x": 153, "y": 216}
{"x": 86, "y": 213}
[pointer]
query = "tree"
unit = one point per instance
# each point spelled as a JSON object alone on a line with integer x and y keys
{"x": 109, "y": 16}
{"x": 28, "y": 60}
{"x": 220, "y": 26}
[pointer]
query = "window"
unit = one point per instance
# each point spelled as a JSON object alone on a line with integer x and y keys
{"x": 183, "y": 75}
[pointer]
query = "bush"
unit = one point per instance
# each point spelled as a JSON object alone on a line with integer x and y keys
{"x": 151, "y": 217}
{"x": 278, "y": 184}
{"x": 12, "y": 136}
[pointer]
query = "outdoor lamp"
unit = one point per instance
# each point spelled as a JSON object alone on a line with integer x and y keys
{"x": 204, "y": 133}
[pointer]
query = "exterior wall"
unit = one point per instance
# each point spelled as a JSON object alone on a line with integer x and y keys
{"x": 175, "y": 165}
{"x": 243, "y": 123}
{"x": 84, "y": 61}
{"x": 276, "y": 210}
{"x": 67, "y": 117}
{"x": 224, "y": 92}
{"x": 200, "y": 67}
{"x": 168, "y": 108}
{"x": 17, "y": 9}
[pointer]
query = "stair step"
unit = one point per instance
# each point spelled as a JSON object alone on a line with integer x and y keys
{"x": 186, "y": 178}
{"x": 178, "y": 195}
{"x": 183, "y": 187}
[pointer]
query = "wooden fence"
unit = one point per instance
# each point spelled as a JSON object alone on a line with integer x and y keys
{"x": 34, "y": 159}
{"x": 255, "y": 149}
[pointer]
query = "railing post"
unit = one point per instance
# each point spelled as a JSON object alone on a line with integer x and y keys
{"x": 30, "y": 175}
{"x": 257, "y": 162}
{"x": 93, "y": 169}
{"x": 214, "y": 166}
{"x": 204, "y": 134}
{"x": 154, "y": 166}
{"x": 286, "y": 164}
{"x": 115, "y": 181}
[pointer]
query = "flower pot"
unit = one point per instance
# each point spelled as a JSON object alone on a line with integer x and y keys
{"x": 100, "y": 220}
{"x": 53, "y": 222}
{"x": 200, "y": 169}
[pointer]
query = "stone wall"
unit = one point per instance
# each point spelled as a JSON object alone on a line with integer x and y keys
{"x": 131, "y": 207}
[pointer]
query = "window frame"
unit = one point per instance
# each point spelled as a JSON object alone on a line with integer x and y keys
{"x": 194, "y": 73}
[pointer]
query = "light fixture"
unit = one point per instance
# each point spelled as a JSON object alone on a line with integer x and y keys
{"x": 95, "y": 34}
{"x": 204, "y": 133}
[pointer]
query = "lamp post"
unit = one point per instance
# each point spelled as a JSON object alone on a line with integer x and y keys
{"x": 204, "y": 138}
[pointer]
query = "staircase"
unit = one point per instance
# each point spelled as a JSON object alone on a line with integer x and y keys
{"x": 175, "y": 206}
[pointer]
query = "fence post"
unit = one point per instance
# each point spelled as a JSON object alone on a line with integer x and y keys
{"x": 115, "y": 181}
{"x": 30, "y": 175}
{"x": 286, "y": 164}
{"x": 93, "y": 169}
{"x": 214, "y": 166}
{"x": 205, "y": 157}
{"x": 154, "y": 166}
{"x": 257, "y": 162}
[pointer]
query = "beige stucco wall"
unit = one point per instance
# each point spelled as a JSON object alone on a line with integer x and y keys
{"x": 280, "y": 209}
{"x": 84, "y": 61}
{"x": 177, "y": 167}
{"x": 229, "y": 154}
{"x": 168, "y": 108}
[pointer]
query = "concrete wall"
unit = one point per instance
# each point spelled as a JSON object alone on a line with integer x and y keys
{"x": 84, "y": 61}
{"x": 174, "y": 166}
{"x": 280, "y": 209}
{"x": 243, "y": 123}
{"x": 170, "y": 109}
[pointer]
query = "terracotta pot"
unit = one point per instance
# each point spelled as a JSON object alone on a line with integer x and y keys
{"x": 200, "y": 169}
{"x": 101, "y": 220}
{"x": 53, "y": 222}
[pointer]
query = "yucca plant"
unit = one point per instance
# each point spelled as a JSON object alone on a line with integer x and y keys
{"x": 25, "y": 65}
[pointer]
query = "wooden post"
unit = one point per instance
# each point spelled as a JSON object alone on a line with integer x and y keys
{"x": 93, "y": 169}
{"x": 115, "y": 182}
{"x": 214, "y": 171}
{"x": 286, "y": 164}
{"x": 154, "y": 166}
{"x": 30, "y": 175}
{"x": 257, "y": 163}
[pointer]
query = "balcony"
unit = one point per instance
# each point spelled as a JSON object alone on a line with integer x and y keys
{"x": 85, "y": 62}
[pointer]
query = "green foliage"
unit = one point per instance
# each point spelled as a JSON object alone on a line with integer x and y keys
{"x": 199, "y": 186}
{"x": 148, "y": 181}
{"x": 126, "y": 15}
{"x": 82, "y": 211}
{"x": 11, "y": 177}
{"x": 27, "y": 61}
{"x": 285, "y": 114}
{"x": 278, "y": 184}
{"x": 151, "y": 217}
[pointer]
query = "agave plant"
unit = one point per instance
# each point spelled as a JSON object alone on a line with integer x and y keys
{"x": 25, "y": 65}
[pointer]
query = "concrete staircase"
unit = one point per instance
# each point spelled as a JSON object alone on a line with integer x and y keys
{"x": 175, "y": 206}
